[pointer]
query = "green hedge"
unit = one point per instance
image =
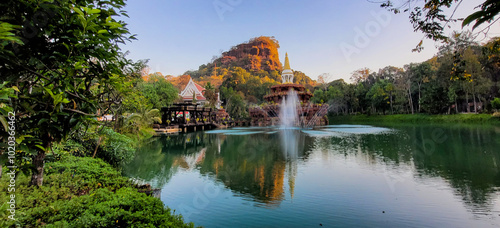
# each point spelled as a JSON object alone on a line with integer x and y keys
{"x": 85, "y": 192}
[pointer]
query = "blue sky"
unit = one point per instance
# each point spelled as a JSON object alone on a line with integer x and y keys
{"x": 320, "y": 36}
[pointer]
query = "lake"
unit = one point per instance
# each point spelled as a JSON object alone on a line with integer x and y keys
{"x": 333, "y": 176}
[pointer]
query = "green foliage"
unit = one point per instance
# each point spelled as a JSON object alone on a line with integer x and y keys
{"x": 211, "y": 95}
{"x": 64, "y": 67}
{"x": 116, "y": 148}
{"x": 495, "y": 104}
{"x": 5, "y": 103}
{"x": 489, "y": 9}
{"x": 139, "y": 124}
{"x": 86, "y": 192}
{"x": 157, "y": 91}
{"x": 235, "y": 104}
{"x": 379, "y": 96}
{"x": 6, "y": 34}
{"x": 253, "y": 88}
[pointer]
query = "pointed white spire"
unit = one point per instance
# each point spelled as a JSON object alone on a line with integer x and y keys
{"x": 287, "y": 73}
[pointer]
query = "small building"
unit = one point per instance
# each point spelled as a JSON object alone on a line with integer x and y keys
{"x": 197, "y": 91}
{"x": 193, "y": 90}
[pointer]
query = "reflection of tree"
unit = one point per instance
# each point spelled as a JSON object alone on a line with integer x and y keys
{"x": 249, "y": 164}
{"x": 151, "y": 164}
{"x": 467, "y": 158}
{"x": 158, "y": 160}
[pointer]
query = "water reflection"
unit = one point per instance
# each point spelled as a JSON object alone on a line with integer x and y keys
{"x": 253, "y": 164}
{"x": 466, "y": 157}
{"x": 263, "y": 166}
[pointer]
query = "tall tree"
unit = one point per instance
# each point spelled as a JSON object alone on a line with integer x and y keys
{"x": 68, "y": 59}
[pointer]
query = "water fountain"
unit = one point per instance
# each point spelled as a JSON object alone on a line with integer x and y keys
{"x": 288, "y": 105}
{"x": 288, "y": 110}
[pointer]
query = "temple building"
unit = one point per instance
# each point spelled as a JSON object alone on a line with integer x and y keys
{"x": 269, "y": 114}
{"x": 280, "y": 91}
{"x": 193, "y": 90}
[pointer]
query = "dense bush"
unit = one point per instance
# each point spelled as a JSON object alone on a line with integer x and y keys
{"x": 85, "y": 192}
{"x": 116, "y": 148}
{"x": 495, "y": 104}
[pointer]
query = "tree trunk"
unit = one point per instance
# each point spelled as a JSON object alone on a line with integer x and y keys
{"x": 410, "y": 101}
{"x": 467, "y": 101}
{"x": 97, "y": 147}
{"x": 456, "y": 106}
{"x": 419, "y": 96}
{"x": 390, "y": 98}
{"x": 475, "y": 103}
{"x": 38, "y": 162}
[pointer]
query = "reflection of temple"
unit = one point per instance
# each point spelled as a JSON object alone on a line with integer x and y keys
{"x": 308, "y": 114}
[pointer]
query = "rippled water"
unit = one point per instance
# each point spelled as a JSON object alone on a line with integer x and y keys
{"x": 336, "y": 176}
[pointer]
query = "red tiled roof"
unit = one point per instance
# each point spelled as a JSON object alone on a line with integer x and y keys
{"x": 199, "y": 87}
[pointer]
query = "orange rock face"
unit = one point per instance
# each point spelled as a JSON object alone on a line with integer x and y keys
{"x": 259, "y": 53}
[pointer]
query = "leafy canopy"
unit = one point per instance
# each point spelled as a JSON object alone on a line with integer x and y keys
{"x": 63, "y": 57}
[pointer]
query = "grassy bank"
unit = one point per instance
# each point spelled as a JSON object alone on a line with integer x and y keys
{"x": 83, "y": 192}
{"x": 417, "y": 118}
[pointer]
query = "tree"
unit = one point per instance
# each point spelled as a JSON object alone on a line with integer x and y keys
{"x": 158, "y": 91}
{"x": 378, "y": 96}
{"x": 422, "y": 74}
{"x": 491, "y": 62}
{"x": 211, "y": 95}
{"x": 235, "y": 104}
{"x": 68, "y": 59}
{"x": 495, "y": 104}
{"x": 430, "y": 19}
{"x": 141, "y": 122}
{"x": 360, "y": 75}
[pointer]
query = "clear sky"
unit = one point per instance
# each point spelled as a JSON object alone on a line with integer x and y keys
{"x": 320, "y": 36}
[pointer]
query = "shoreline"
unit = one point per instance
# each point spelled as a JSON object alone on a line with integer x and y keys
{"x": 465, "y": 118}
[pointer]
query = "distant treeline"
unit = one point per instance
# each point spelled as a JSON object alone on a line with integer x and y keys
{"x": 462, "y": 77}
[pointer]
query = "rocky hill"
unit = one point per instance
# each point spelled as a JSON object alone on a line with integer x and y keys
{"x": 258, "y": 54}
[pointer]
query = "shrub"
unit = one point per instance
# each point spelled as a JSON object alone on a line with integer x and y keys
{"x": 104, "y": 208}
{"x": 495, "y": 104}
{"x": 116, "y": 149}
{"x": 85, "y": 192}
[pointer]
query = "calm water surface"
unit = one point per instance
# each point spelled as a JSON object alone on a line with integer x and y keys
{"x": 336, "y": 176}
